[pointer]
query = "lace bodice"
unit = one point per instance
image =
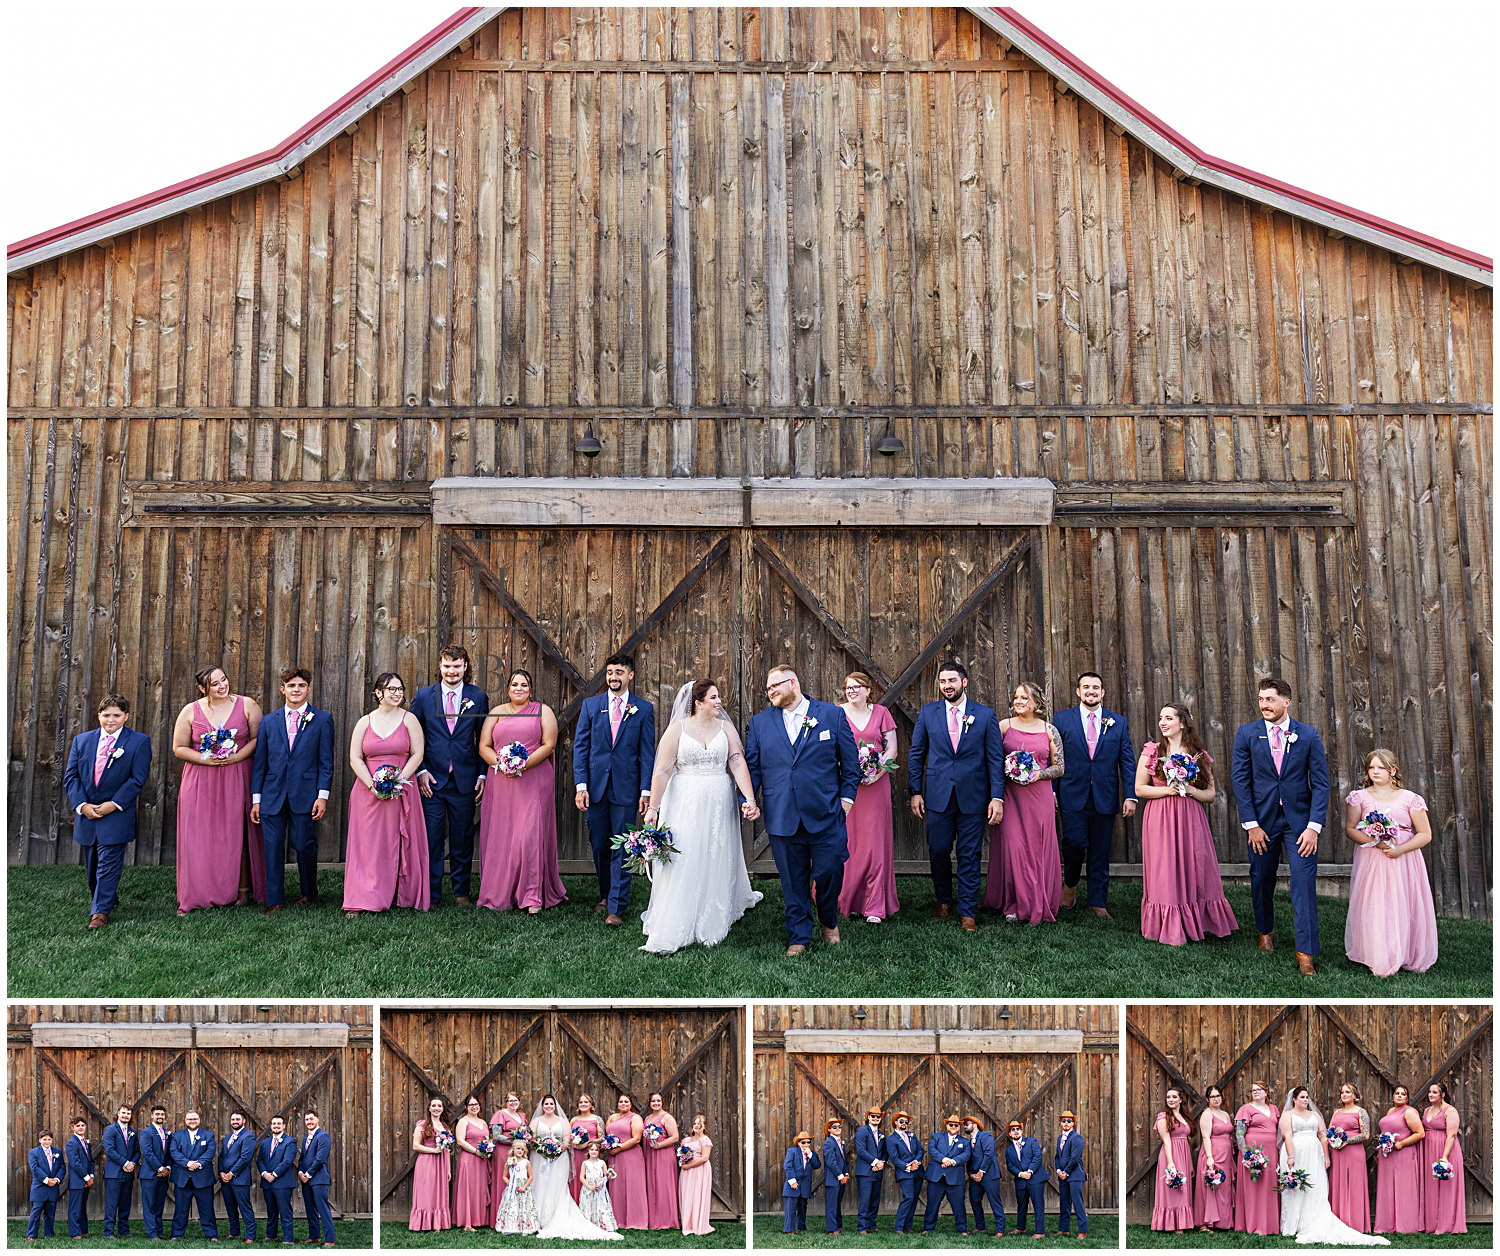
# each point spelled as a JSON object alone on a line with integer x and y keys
{"x": 1304, "y": 1124}
{"x": 696, "y": 759}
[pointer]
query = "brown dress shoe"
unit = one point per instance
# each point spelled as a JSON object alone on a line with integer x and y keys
{"x": 940, "y": 911}
{"x": 613, "y": 921}
{"x": 1265, "y": 943}
{"x": 274, "y": 908}
{"x": 795, "y": 950}
{"x": 1102, "y": 913}
{"x": 1305, "y": 965}
{"x": 98, "y": 920}
{"x": 831, "y": 936}
{"x": 463, "y": 902}
{"x": 1070, "y": 896}
{"x": 967, "y": 924}
{"x": 303, "y": 900}
{"x": 601, "y": 907}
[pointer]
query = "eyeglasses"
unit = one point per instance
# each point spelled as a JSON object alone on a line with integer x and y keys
{"x": 775, "y": 685}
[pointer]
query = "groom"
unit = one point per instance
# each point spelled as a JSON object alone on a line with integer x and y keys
{"x": 1280, "y": 776}
{"x": 804, "y": 754}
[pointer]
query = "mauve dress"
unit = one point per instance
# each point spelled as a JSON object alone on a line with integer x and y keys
{"x": 1443, "y": 1202}
{"x": 1257, "y": 1207}
{"x": 512, "y": 1121}
{"x": 385, "y": 860}
{"x": 1399, "y": 1180}
{"x": 1184, "y": 894}
{"x": 1173, "y": 1208}
{"x": 471, "y": 1187}
{"x": 1392, "y": 923}
{"x": 1349, "y": 1176}
{"x": 695, "y": 1188}
{"x": 580, "y": 1154}
{"x": 627, "y": 1189}
{"x": 1216, "y": 1207}
{"x": 1025, "y": 874}
{"x": 429, "y": 1188}
{"x": 213, "y": 824}
{"x": 661, "y": 1183}
{"x": 518, "y": 825}
{"x": 870, "y": 871}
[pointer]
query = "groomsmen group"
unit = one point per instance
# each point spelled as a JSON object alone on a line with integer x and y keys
{"x": 190, "y": 1160}
{"x": 962, "y": 1154}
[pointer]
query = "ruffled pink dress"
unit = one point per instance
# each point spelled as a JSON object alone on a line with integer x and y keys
{"x": 1257, "y": 1206}
{"x": 1399, "y": 1180}
{"x": 1173, "y": 1207}
{"x": 1349, "y": 1176}
{"x": 695, "y": 1188}
{"x": 627, "y": 1189}
{"x": 1392, "y": 923}
{"x": 870, "y": 871}
{"x": 1443, "y": 1202}
{"x": 471, "y": 1187}
{"x": 1184, "y": 893}
{"x": 518, "y": 825}
{"x": 1025, "y": 872}
{"x": 429, "y": 1187}
{"x": 385, "y": 860}
{"x": 214, "y": 833}
{"x": 1216, "y": 1207}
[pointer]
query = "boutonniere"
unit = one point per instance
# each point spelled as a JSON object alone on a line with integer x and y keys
{"x": 968, "y": 721}
{"x": 629, "y": 711}
{"x": 1109, "y": 722}
{"x": 809, "y": 722}
{"x": 307, "y": 717}
{"x": 117, "y": 753}
{"x": 465, "y": 704}
{"x": 1290, "y": 738}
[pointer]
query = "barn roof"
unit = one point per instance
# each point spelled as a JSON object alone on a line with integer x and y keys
{"x": 1187, "y": 159}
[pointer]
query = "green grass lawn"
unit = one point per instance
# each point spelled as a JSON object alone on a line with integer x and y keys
{"x": 1145, "y": 1236}
{"x": 726, "y": 1234}
{"x": 350, "y": 1233}
{"x": 148, "y": 951}
{"x": 1103, "y": 1232}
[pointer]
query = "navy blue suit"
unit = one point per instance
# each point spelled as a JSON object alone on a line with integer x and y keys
{"x": 43, "y": 1197}
{"x": 987, "y": 1189}
{"x": 80, "y": 1158}
{"x": 835, "y": 1164}
{"x": 190, "y": 1184}
{"x": 1032, "y": 1190}
{"x": 617, "y": 774}
{"x": 119, "y": 1149}
{"x": 313, "y": 1151}
{"x": 956, "y": 788}
{"x": 900, "y": 1150}
{"x": 281, "y": 1163}
{"x": 155, "y": 1154}
{"x": 869, "y": 1146}
{"x": 802, "y": 783}
{"x": 104, "y": 841}
{"x": 236, "y": 1157}
{"x": 1089, "y": 795}
{"x": 287, "y": 779}
{"x": 946, "y": 1182}
{"x": 1068, "y": 1158}
{"x": 794, "y": 1198}
{"x": 453, "y": 761}
{"x": 1283, "y": 804}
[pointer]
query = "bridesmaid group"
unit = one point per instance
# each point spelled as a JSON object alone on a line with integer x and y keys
{"x": 653, "y": 1186}
{"x": 1409, "y": 1198}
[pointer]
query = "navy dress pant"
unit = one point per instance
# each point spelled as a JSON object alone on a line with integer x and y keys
{"x": 1087, "y": 834}
{"x": 153, "y": 1204}
{"x": 953, "y": 833}
{"x": 954, "y": 1194}
{"x": 818, "y": 858}
{"x": 1304, "y": 876}
{"x": 319, "y": 1218}
{"x": 906, "y": 1210}
{"x": 869, "y": 1201}
{"x": 986, "y": 1192}
{"x": 105, "y": 864}
{"x": 833, "y": 1205}
{"x": 43, "y": 1212}
{"x": 1032, "y": 1192}
{"x": 78, "y": 1211}
{"x": 117, "y": 1193}
{"x": 450, "y": 809}
{"x": 605, "y": 819}
{"x": 1070, "y": 1199}
{"x": 276, "y": 831}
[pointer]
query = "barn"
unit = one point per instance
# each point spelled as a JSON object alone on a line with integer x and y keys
{"x": 855, "y": 338}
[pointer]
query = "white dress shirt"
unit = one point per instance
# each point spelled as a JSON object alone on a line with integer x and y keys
{"x": 791, "y": 717}
{"x": 1286, "y": 727}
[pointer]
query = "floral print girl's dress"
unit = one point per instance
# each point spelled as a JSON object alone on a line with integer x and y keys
{"x": 517, "y": 1213}
{"x": 594, "y": 1204}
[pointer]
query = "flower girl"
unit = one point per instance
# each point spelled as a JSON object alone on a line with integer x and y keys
{"x": 517, "y": 1213}
{"x": 593, "y": 1200}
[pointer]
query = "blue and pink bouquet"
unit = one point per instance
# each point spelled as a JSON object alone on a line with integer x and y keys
{"x": 484, "y": 1147}
{"x": 1021, "y": 767}
{"x": 217, "y": 745}
{"x": 388, "y": 783}
{"x": 1214, "y": 1178}
{"x": 654, "y": 1132}
{"x": 1377, "y": 826}
{"x": 872, "y": 763}
{"x": 552, "y": 1145}
{"x": 1386, "y": 1144}
{"x": 644, "y": 844}
{"x": 1181, "y": 770}
{"x": 579, "y": 1137}
{"x": 444, "y": 1140}
{"x": 1337, "y": 1138}
{"x": 611, "y": 1141}
{"x": 1174, "y": 1180}
{"x": 1442, "y": 1170}
{"x": 684, "y": 1154}
{"x": 1292, "y": 1180}
{"x": 1255, "y": 1163}
{"x": 512, "y": 758}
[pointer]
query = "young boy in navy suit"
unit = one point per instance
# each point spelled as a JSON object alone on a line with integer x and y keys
{"x": 46, "y": 1168}
{"x": 80, "y": 1178}
{"x": 1067, "y": 1163}
{"x": 289, "y": 783}
{"x": 797, "y": 1168}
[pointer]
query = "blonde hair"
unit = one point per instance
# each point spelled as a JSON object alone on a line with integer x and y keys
{"x": 1387, "y": 758}
{"x": 1034, "y": 692}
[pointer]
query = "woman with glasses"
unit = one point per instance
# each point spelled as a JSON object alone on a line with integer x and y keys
{"x": 385, "y": 864}
{"x": 870, "y": 873}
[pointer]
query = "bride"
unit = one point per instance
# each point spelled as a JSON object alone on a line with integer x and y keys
{"x": 704, "y": 888}
{"x": 559, "y": 1216}
{"x": 1307, "y": 1215}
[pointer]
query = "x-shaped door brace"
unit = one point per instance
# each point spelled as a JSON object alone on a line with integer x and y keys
{"x": 1024, "y": 1111}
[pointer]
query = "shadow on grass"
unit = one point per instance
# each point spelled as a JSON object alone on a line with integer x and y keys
{"x": 1104, "y": 1231}
{"x": 349, "y": 1233}
{"x": 726, "y": 1234}
{"x": 1145, "y": 1236}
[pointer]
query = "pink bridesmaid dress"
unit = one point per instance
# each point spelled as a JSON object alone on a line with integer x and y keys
{"x": 661, "y": 1185}
{"x": 695, "y": 1188}
{"x": 385, "y": 860}
{"x": 1392, "y": 923}
{"x": 1173, "y": 1209}
{"x": 1257, "y": 1207}
{"x": 510, "y": 1122}
{"x": 1025, "y": 874}
{"x": 1216, "y": 1207}
{"x": 593, "y": 1124}
{"x": 870, "y": 872}
{"x": 214, "y": 833}
{"x": 1443, "y": 1202}
{"x": 471, "y": 1187}
{"x": 429, "y": 1188}
{"x": 1184, "y": 893}
{"x": 1399, "y": 1181}
{"x": 518, "y": 825}
{"x": 1349, "y": 1177}
{"x": 627, "y": 1189}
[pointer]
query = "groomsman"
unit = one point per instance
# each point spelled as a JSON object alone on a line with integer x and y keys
{"x": 835, "y": 1176}
{"x": 1067, "y": 1163}
{"x": 1098, "y": 766}
{"x": 312, "y": 1172}
{"x": 614, "y": 754}
{"x": 156, "y": 1172}
{"x": 956, "y": 772}
{"x": 192, "y": 1152}
{"x": 1280, "y": 776}
{"x": 984, "y": 1176}
{"x": 277, "y": 1161}
{"x": 80, "y": 1158}
{"x": 947, "y": 1155}
{"x": 869, "y": 1163}
{"x": 107, "y": 768}
{"x": 452, "y": 776}
{"x": 46, "y": 1168}
{"x": 903, "y": 1152}
{"x": 797, "y": 1167}
{"x": 1023, "y": 1157}
{"x": 289, "y": 784}
{"x": 236, "y": 1158}
{"x": 122, "y": 1152}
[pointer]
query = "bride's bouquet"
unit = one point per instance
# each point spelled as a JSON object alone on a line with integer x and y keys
{"x": 1442, "y": 1170}
{"x": 388, "y": 783}
{"x": 1337, "y": 1138}
{"x": 1292, "y": 1180}
{"x": 1213, "y": 1178}
{"x": 654, "y": 1133}
{"x": 684, "y": 1154}
{"x": 1181, "y": 770}
{"x": 512, "y": 758}
{"x": 872, "y": 763}
{"x": 444, "y": 1140}
{"x": 1255, "y": 1163}
{"x": 1174, "y": 1180}
{"x": 551, "y": 1145}
{"x": 217, "y": 745}
{"x": 1021, "y": 767}
{"x": 645, "y": 844}
{"x": 1385, "y": 1144}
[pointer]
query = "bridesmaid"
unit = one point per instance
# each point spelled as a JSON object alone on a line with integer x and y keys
{"x": 1213, "y": 1209}
{"x": 1391, "y": 923}
{"x": 219, "y": 855}
{"x": 627, "y": 1189}
{"x": 503, "y": 1127}
{"x": 1443, "y": 1206}
{"x": 1257, "y": 1208}
{"x": 385, "y": 861}
{"x": 870, "y": 872}
{"x": 695, "y": 1185}
{"x": 592, "y": 1125}
{"x": 1184, "y": 895}
{"x": 1025, "y": 873}
{"x": 471, "y": 1188}
{"x": 661, "y": 1169}
{"x": 518, "y": 815}
{"x": 1398, "y": 1176}
{"x": 1349, "y": 1178}
{"x": 429, "y": 1183}
{"x": 1173, "y": 1209}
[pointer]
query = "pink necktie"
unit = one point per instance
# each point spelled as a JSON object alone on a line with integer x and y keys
{"x": 106, "y": 748}
{"x": 614, "y": 717}
{"x": 953, "y": 725}
{"x": 292, "y": 721}
{"x": 1093, "y": 733}
{"x": 1277, "y": 750}
{"x": 452, "y": 711}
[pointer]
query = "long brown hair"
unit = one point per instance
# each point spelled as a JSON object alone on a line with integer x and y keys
{"x": 1191, "y": 743}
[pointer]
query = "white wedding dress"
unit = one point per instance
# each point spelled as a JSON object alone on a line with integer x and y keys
{"x": 559, "y": 1216}
{"x": 1307, "y": 1215}
{"x": 704, "y": 888}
